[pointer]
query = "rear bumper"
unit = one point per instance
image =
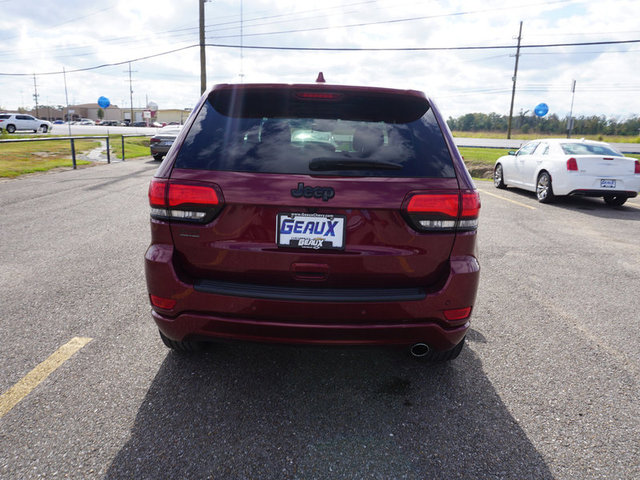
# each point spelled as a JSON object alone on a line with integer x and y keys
{"x": 603, "y": 192}
{"x": 298, "y": 316}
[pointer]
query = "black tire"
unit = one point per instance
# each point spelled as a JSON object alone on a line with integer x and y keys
{"x": 447, "y": 355}
{"x": 44, "y": 128}
{"x": 185, "y": 346}
{"x": 615, "y": 200}
{"x": 158, "y": 157}
{"x": 544, "y": 188}
{"x": 11, "y": 128}
{"x": 498, "y": 177}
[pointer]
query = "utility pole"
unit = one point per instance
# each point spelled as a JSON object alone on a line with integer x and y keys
{"x": 570, "y": 122}
{"x": 130, "y": 95}
{"x": 515, "y": 76}
{"x": 203, "y": 59}
{"x": 66, "y": 96}
{"x": 35, "y": 95}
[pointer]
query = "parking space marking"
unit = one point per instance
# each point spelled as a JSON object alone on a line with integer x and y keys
{"x": 508, "y": 200}
{"x": 15, "y": 394}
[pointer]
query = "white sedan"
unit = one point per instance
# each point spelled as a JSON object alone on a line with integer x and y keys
{"x": 553, "y": 167}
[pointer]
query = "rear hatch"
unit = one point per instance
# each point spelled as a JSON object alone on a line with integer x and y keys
{"x": 335, "y": 188}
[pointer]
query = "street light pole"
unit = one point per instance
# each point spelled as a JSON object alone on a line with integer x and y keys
{"x": 203, "y": 59}
{"x": 570, "y": 123}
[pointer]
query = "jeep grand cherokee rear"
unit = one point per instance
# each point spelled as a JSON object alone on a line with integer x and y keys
{"x": 314, "y": 214}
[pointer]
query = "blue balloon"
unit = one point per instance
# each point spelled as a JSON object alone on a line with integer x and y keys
{"x": 541, "y": 110}
{"x": 104, "y": 102}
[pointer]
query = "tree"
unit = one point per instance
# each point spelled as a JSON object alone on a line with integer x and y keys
{"x": 100, "y": 113}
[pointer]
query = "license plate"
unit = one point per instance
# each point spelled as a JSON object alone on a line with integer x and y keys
{"x": 167, "y": 143}
{"x": 607, "y": 184}
{"x": 311, "y": 230}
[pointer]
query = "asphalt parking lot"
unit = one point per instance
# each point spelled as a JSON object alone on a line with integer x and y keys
{"x": 547, "y": 386}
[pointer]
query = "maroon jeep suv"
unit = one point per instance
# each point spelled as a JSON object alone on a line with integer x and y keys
{"x": 314, "y": 214}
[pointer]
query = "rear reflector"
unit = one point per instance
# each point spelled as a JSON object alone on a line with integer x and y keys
{"x": 160, "y": 302}
{"x": 457, "y": 313}
{"x": 572, "y": 165}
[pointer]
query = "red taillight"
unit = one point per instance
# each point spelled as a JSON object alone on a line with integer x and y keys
{"x": 572, "y": 165}
{"x": 183, "y": 201}
{"x": 191, "y": 194}
{"x": 441, "y": 204}
{"x": 457, "y": 313}
{"x": 160, "y": 302}
{"x": 637, "y": 170}
{"x": 154, "y": 140}
{"x": 157, "y": 192}
{"x": 444, "y": 211}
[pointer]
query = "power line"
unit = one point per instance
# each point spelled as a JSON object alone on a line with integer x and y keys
{"x": 338, "y": 49}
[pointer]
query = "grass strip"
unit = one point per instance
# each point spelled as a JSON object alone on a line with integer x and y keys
{"x": 133, "y": 146}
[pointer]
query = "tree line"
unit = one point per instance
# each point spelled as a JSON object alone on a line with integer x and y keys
{"x": 550, "y": 124}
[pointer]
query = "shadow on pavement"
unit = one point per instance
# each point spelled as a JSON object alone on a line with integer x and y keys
{"x": 263, "y": 411}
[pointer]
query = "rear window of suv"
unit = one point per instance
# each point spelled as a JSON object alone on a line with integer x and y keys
{"x": 347, "y": 133}
{"x": 5, "y": 117}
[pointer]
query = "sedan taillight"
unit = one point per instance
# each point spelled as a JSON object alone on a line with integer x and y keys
{"x": 183, "y": 201}
{"x": 432, "y": 212}
{"x": 637, "y": 170}
{"x": 572, "y": 165}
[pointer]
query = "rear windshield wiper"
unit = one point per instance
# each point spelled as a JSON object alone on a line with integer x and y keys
{"x": 351, "y": 164}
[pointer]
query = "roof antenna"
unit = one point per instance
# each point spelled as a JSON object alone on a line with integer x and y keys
{"x": 320, "y": 78}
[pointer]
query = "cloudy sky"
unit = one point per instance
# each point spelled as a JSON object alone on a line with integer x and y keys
{"x": 344, "y": 39}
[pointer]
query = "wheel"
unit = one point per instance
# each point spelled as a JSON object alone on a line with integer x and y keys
{"x": 157, "y": 157}
{"x": 614, "y": 200}
{"x": 498, "y": 177}
{"x": 11, "y": 128}
{"x": 185, "y": 346}
{"x": 45, "y": 129}
{"x": 544, "y": 189}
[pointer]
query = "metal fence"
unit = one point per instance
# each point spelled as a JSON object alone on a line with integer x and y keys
{"x": 73, "y": 146}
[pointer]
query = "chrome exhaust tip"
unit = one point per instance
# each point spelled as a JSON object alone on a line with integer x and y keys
{"x": 420, "y": 350}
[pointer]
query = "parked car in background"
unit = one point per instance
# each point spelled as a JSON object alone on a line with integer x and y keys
{"x": 314, "y": 214}
{"x": 110, "y": 123}
{"x": 554, "y": 167}
{"x": 161, "y": 142}
{"x": 12, "y": 122}
{"x": 139, "y": 124}
{"x": 86, "y": 121}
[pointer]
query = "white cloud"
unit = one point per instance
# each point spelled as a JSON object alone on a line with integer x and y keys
{"x": 77, "y": 34}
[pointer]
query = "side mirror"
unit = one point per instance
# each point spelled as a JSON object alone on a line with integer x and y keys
{"x": 512, "y": 153}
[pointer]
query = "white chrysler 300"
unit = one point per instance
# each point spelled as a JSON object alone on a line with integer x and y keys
{"x": 553, "y": 167}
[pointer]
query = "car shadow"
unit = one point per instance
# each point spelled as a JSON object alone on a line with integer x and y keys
{"x": 593, "y": 206}
{"x": 266, "y": 411}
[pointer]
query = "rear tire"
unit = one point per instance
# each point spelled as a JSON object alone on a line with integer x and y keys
{"x": 11, "y": 128}
{"x": 185, "y": 346}
{"x": 498, "y": 177}
{"x": 544, "y": 189}
{"x": 615, "y": 200}
{"x": 158, "y": 158}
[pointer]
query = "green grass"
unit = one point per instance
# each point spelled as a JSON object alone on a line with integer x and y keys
{"x": 21, "y": 158}
{"x": 133, "y": 146}
{"x": 484, "y": 156}
{"x": 534, "y": 136}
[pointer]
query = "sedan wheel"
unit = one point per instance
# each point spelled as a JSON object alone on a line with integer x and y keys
{"x": 544, "y": 190}
{"x": 614, "y": 200}
{"x": 11, "y": 128}
{"x": 45, "y": 129}
{"x": 498, "y": 177}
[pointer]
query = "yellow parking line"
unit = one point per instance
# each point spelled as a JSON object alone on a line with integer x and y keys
{"x": 508, "y": 200}
{"x": 15, "y": 394}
